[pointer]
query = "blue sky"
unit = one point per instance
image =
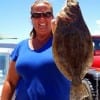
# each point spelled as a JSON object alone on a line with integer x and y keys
{"x": 15, "y": 15}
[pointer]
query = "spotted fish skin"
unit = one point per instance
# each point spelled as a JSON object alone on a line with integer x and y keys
{"x": 72, "y": 47}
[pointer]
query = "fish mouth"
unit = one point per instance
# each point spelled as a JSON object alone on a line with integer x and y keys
{"x": 72, "y": 2}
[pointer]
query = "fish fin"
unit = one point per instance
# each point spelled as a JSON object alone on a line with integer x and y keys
{"x": 79, "y": 92}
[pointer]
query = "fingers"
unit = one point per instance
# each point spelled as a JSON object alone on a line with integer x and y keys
{"x": 53, "y": 25}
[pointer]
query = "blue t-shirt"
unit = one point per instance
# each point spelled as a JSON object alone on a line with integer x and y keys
{"x": 39, "y": 77}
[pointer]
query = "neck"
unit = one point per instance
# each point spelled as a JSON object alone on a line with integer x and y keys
{"x": 39, "y": 41}
{"x": 43, "y": 38}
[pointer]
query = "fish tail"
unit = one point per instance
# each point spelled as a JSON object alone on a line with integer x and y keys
{"x": 78, "y": 92}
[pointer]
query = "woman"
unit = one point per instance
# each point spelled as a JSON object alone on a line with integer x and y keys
{"x": 33, "y": 74}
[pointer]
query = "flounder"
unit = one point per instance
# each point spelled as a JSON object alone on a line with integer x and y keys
{"x": 72, "y": 47}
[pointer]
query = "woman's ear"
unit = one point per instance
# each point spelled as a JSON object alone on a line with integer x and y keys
{"x": 53, "y": 25}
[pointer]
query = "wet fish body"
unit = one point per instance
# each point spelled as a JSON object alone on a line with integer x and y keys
{"x": 72, "y": 47}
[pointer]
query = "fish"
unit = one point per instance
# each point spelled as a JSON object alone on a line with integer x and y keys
{"x": 72, "y": 47}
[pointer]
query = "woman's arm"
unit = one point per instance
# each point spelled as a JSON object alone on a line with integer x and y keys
{"x": 10, "y": 82}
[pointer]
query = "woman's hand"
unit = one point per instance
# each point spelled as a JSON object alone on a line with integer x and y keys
{"x": 53, "y": 25}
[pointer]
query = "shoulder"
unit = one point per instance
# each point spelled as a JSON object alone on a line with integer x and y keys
{"x": 21, "y": 46}
{"x": 23, "y": 41}
{"x": 20, "y": 43}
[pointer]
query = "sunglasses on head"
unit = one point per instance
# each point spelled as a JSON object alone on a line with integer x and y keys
{"x": 39, "y": 15}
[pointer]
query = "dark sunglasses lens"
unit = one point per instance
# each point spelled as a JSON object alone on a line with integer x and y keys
{"x": 47, "y": 14}
{"x": 38, "y": 15}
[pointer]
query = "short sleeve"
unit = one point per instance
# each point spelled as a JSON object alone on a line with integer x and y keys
{"x": 15, "y": 52}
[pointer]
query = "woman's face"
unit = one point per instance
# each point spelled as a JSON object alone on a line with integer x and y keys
{"x": 41, "y": 18}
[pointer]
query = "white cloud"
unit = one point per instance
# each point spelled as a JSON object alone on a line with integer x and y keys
{"x": 97, "y": 29}
{"x": 98, "y": 22}
{"x": 96, "y": 32}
